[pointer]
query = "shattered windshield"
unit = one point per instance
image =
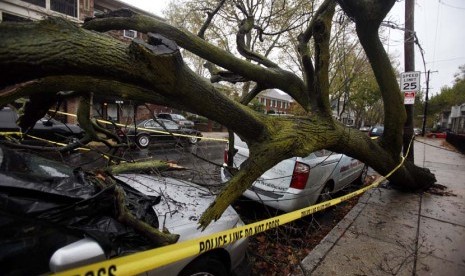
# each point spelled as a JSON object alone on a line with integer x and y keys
{"x": 33, "y": 165}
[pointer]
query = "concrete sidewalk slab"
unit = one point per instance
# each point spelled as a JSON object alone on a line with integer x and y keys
{"x": 393, "y": 233}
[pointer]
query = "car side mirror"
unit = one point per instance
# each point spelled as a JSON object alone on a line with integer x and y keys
{"x": 79, "y": 253}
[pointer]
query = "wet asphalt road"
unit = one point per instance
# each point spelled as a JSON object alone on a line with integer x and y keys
{"x": 201, "y": 161}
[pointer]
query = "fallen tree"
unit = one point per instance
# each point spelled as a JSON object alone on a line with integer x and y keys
{"x": 40, "y": 59}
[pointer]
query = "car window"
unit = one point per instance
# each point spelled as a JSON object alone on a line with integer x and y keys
{"x": 377, "y": 130}
{"x": 152, "y": 123}
{"x": 53, "y": 121}
{"x": 8, "y": 118}
{"x": 163, "y": 116}
{"x": 171, "y": 125}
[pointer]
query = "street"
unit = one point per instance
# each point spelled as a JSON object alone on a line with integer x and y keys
{"x": 201, "y": 161}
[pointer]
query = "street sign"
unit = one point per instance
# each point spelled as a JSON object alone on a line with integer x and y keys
{"x": 410, "y": 84}
{"x": 409, "y": 97}
{"x": 410, "y": 81}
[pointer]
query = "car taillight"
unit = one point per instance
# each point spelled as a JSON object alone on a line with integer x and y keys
{"x": 225, "y": 156}
{"x": 300, "y": 176}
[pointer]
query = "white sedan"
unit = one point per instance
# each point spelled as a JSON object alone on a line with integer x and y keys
{"x": 299, "y": 182}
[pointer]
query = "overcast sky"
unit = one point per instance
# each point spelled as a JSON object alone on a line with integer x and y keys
{"x": 440, "y": 28}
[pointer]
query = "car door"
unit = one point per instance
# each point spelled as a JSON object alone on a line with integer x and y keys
{"x": 156, "y": 131}
{"x": 347, "y": 171}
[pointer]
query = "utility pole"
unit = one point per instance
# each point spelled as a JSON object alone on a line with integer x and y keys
{"x": 409, "y": 64}
{"x": 425, "y": 110}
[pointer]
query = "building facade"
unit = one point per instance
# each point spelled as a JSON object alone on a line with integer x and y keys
{"x": 114, "y": 109}
{"x": 275, "y": 102}
{"x": 457, "y": 119}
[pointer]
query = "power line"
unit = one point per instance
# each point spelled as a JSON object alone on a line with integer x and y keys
{"x": 451, "y": 6}
{"x": 449, "y": 59}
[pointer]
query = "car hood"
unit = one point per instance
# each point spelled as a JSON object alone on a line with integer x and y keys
{"x": 182, "y": 203}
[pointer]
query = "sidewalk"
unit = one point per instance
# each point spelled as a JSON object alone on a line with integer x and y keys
{"x": 394, "y": 233}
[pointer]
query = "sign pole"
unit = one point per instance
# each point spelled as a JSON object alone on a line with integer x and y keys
{"x": 409, "y": 62}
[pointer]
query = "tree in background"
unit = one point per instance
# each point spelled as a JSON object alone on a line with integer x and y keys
{"x": 447, "y": 97}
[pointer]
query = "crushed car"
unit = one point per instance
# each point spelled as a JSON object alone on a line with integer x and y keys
{"x": 298, "y": 182}
{"x": 57, "y": 218}
{"x": 46, "y": 128}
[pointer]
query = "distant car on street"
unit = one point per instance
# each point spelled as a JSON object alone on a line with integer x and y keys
{"x": 299, "y": 182}
{"x": 160, "y": 131}
{"x": 365, "y": 128}
{"x": 46, "y": 128}
{"x": 438, "y": 133}
{"x": 417, "y": 131}
{"x": 178, "y": 118}
{"x": 376, "y": 131}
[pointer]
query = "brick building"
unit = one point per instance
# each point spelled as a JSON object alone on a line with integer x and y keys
{"x": 77, "y": 10}
{"x": 275, "y": 102}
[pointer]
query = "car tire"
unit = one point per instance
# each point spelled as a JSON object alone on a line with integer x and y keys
{"x": 143, "y": 140}
{"x": 205, "y": 265}
{"x": 193, "y": 140}
{"x": 325, "y": 194}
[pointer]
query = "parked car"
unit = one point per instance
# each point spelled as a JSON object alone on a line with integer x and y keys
{"x": 178, "y": 118}
{"x": 299, "y": 182}
{"x": 376, "y": 131}
{"x": 46, "y": 128}
{"x": 54, "y": 218}
{"x": 438, "y": 133}
{"x": 417, "y": 131}
{"x": 160, "y": 131}
{"x": 365, "y": 128}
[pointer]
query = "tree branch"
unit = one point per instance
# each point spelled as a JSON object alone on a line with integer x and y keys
{"x": 277, "y": 78}
{"x": 210, "y": 16}
{"x": 368, "y": 16}
{"x": 244, "y": 28}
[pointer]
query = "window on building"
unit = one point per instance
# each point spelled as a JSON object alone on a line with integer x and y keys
{"x": 273, "y": 103}
{"x": 6, "y": 17}
{"x": 68, "y": 7}
{"x": 40, "y": 3}
{"x": 130, "y": 34}
{"x": 128, "y": 111}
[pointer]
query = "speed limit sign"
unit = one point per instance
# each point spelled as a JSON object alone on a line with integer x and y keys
{"x": 410, "y": 81}
{"x": 410, "y": 84}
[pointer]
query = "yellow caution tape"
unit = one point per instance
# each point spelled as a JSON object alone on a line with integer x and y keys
{"x": 148, "y": 260}
{"x": 146, "y": 129}
{"x": 6, "y": 133}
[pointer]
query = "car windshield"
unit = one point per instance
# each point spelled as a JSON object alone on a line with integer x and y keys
{"x": 178, "y": 117}
{"x": 49, "y": 119}
{"x": 33, "y": 165}
{"x": 377, "y": 130}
